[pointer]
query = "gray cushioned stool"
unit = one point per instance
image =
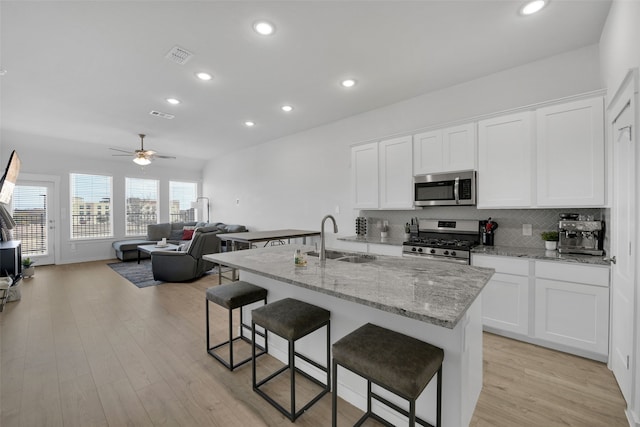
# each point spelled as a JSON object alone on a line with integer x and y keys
{"x": 234, "y": 295}
{"x": 398, "y": 363}
{"x": 292, "y": 319}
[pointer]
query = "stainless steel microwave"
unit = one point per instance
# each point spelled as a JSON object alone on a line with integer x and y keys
{"x": 445, "y": 189}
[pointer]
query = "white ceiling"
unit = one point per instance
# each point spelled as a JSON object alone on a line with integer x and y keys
{"x": 84, "y": 76}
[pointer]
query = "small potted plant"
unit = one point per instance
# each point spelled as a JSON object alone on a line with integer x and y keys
{"x": 550, "y": 240}
{"x": 28, "y": 270}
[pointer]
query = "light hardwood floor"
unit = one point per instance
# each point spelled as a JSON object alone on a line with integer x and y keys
{"x": 84, "y": 347}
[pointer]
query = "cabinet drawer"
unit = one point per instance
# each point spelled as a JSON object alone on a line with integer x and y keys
{"x": 579, "y": 273}
{"x": 507, "y": 265}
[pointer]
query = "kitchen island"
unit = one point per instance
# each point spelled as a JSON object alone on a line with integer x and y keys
{"x": 430, "y": 300}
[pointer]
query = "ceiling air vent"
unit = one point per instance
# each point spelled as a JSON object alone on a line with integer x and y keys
{"x": 179, "y": 55}
{"x": 161, "y": 114}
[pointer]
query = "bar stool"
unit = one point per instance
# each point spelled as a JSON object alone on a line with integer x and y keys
{"x": 292, "y": 319}
{"x": 232, "y": 296}
{"x": 398, "y": 363}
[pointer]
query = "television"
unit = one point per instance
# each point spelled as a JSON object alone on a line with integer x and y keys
{"x": 9, "y": 179}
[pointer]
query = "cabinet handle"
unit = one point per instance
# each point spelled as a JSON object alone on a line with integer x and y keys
{"x": 612, "y": 260}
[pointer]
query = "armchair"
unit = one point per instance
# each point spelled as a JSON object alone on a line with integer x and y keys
{"x": 182, "y": 266}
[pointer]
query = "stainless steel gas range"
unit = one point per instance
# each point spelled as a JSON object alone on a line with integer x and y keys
{"x": 443, "y": 240}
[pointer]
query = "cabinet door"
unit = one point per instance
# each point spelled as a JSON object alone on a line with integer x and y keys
{"x": 571, "y": 154}
{"x": 505, "y": 148}
{"x": 572, "y": 314}
{"x": 505, "y": 303}
{"x": 364, "y": 176}
{"x": 396, "y": 173}
{"x": 459, "y": 148}
{"x": 428, "y": 155}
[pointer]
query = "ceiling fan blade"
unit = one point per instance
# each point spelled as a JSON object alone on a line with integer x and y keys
{"x": 163, "y": 157}
{"x": 121, "y": 155}
{"x": 123, "y": 151}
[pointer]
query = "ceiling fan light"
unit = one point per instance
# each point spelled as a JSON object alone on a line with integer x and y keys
{"x": 141, "y": 160}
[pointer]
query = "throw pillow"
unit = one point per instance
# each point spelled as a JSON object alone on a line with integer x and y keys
{"x": 187, "y": 232}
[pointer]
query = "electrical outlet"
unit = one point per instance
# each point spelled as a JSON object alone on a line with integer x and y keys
{"x": 337, "y": 210}
{"x": 526, "y": 229}
{"x": 237, "y": 202}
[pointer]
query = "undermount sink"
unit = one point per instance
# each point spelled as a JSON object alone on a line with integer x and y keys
{"x": 345, "y": 256}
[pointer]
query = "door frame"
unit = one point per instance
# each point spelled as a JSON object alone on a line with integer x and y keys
{"x": 53, "y": 208}
{"x": 628, "y": 92}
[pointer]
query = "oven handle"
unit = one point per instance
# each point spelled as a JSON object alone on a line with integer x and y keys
{"x": 438, "y": 258}
{"x": 456, "y": 190}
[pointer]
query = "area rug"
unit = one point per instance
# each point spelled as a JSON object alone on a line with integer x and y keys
{"x": 141, "y": 274}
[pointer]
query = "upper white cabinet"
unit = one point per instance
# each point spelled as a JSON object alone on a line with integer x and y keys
{"x": 396, "y": 174}
{"x": 445, "y": 150}
{"x": 381, "y": 174}
{"x": 505, "y": 166}
{"x": 571, "y": 154}
{"x": 364, "y": 176}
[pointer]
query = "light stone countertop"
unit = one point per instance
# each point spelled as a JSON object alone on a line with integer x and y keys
{"x": 430, "y": 291}
{"x": 540, "y": 254}
{"x": 392, "y": 241}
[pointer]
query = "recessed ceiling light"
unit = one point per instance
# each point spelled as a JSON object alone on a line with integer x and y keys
{"x": 287, "y": 108}
{"x": 173, "y": 101}
{"x": 264, "y": 28}
{"x": 533, "y": 7}
{"x": 348, "y": 83}
{"x": 204, "y": 76}
{"x": 3, "y": 72}
{"x": 249, "y": 123}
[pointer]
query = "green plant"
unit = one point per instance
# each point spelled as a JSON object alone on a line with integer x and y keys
{"x": 27, "y": 262}
{"x": 549, "y": 236}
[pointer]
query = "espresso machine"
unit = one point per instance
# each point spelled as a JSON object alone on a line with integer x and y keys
{"x": 580, "y": 237}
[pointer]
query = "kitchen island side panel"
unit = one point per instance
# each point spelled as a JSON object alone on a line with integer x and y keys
{"x": 462, "y": 369}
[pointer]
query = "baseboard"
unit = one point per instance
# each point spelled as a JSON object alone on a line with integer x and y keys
{"x": 632, "y": 417}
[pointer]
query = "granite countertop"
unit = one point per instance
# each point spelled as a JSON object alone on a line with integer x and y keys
{"x": 430, "y": 291}
{"x": 393, "y": 241}
{"x": 540, "y": 254}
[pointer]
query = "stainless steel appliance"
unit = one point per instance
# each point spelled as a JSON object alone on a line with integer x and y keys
{"x": 444, "y": 240}
{"x": 580, "y": 237}
{"x": 445, "y": 189}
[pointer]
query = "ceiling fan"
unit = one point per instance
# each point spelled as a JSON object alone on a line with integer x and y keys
{"x": 142, "y": 157}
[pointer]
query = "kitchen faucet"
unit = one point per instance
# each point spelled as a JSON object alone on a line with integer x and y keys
{"x": 323, "y": 255}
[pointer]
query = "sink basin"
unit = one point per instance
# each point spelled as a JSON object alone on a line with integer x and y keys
{"x": 345, "y": 256}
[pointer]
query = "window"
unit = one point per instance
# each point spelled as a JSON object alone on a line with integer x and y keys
{"x": 141, "y": 205}
{"x": 88, "y": 192}
{"x": 30, "y": 215}
{"x": 181, "y": 195}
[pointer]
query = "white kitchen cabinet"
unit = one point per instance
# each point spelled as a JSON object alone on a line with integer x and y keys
{"x": 445, "y": 150}
{"x": 572, "y": 306}
{"x": 505, "y": 299}
{"x": 396, "y": 173}
{"x": 364, "y": 176}
{"x": 570, "y": 154}
{"x": 382, "y": 174}
{"x": 505, "y": 161}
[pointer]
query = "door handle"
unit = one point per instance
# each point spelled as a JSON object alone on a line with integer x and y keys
{"x": 612, "y": 260}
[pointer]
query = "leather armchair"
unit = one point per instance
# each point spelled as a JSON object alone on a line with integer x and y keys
{"x": 182, "y": 266}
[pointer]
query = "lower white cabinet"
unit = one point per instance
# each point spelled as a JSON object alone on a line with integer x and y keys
{"x": 572, "y": 308}
{"x": 560, "y": 305}
{"x": 505, "y": 299}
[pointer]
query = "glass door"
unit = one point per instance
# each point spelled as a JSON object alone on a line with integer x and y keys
{"x": 34, "y": 224}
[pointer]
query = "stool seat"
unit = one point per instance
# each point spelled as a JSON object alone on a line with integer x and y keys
{"x": 290, "y": 318}
{"x": 236, "y": 294}
{"x": 402, "y": 363}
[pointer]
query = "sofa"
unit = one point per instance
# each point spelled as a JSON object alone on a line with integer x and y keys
{"x": 176, "y": 233}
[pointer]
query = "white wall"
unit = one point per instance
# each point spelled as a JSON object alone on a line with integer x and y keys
{"x": 620, "y": 43}
{"x": 42, "y": 162}
{"x": 295, "y": 181}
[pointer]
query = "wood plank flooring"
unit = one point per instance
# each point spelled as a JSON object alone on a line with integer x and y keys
{"x": 84, "y": 347}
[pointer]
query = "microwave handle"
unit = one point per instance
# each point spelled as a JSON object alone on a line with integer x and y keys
{"x": 456, "y": 190}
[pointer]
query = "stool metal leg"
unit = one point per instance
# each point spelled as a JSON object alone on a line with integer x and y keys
{"x": 334, "y": 395}
{"x": 292, "y": 368}
{"x": 439, "y": 399}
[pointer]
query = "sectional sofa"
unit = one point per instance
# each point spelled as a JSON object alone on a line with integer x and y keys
{"x": 175, "y": 232}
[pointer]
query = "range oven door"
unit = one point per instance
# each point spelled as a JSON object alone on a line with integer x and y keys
{"x": 445, "y": 189}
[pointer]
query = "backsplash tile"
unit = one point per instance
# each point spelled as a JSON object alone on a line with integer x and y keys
{"x": 510, "y": 221}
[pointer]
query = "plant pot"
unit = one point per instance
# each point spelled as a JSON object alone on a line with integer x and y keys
{"x": 550, "y": 245}
{"x": 28, "y": 271}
